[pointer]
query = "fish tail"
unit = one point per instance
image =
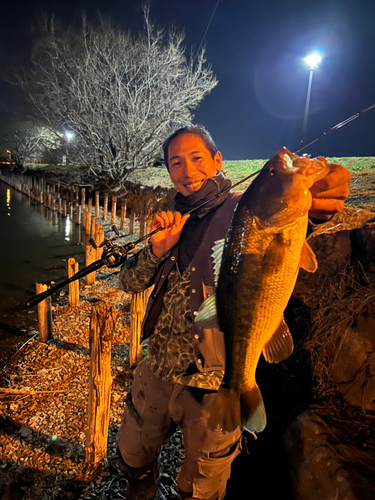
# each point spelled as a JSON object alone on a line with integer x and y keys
{"x": 253, "y": 413}
{"x": 225, "y": 411}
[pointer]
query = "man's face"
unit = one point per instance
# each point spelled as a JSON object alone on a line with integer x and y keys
{"x": 190, "y": 163}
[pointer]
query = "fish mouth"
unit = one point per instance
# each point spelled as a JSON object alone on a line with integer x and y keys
{"x": 294, "y": 201}
{"x": 312, "y": 170}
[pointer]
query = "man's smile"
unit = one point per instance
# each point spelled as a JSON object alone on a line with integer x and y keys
{"x": 194, "y": 185}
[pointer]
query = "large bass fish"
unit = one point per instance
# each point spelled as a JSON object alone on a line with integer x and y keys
{"x": 256, "y": 268}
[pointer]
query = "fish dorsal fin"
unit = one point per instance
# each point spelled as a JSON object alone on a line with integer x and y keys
{"x": 280, "y": 346}
{"x": 308, "y": 260}
{"x": 206, "y": 317}
{"x": 217, "y": 254}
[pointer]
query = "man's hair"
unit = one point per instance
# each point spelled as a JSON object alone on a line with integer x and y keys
{"x": 193, "y": 130}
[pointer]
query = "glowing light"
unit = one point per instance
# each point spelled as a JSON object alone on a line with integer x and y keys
{"x": 69, "y": 136}
{"x": 313, "y": 59}
{"x": 8, "y": 202}
{"x": 68, "y": 226}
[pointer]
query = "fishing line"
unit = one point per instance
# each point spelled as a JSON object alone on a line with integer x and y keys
{"x": 208, "y": 25}
{"x": 302, "y": 146}
{"x": 339, "y": 125}
{"x": 130, "y": 246}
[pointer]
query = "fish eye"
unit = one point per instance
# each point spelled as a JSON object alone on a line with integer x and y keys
{"x": 271, "y": 171}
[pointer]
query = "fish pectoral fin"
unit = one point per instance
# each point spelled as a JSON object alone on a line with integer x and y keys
{"x": 275, "y": 254}
{"x": 280, "y": 346}
{"x": 308, "y": 260}
{"x": 207, "y": 317}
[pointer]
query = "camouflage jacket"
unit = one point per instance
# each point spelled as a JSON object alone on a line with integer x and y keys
{"x": 179, "y": 351}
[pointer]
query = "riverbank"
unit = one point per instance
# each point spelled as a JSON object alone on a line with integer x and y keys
{"x": 45, "y": 393}
{"x": 21, "y": 323}
{"x": 43, "y": 424}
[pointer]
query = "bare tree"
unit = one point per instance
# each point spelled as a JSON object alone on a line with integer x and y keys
{"x": 121, "y": 95}
{"x": 31, "y": 141}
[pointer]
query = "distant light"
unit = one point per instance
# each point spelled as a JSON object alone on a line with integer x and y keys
{"x": 69, "y": 136}
{"x": 67, "y": 229}
{"x": 313, "y": 60}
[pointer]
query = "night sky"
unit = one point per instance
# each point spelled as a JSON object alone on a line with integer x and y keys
{"x": 256, "y": 49}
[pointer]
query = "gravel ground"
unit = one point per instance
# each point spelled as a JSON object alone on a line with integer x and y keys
{"x": 43, "y": 414}
{"x": 43, "y": 399}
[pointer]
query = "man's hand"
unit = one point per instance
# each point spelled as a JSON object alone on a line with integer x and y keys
{"x": 329, "y": 193}
{"x": 172, "y": 225}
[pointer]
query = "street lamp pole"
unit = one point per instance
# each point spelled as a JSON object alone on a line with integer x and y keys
{"x": 313, "y": 60}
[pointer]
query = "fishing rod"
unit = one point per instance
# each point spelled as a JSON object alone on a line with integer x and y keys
{"x": 336, "y": 127}
{"x": 115, "y": 255}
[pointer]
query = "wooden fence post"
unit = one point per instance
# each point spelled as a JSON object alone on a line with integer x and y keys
{"x": 102, "y": 325}
{"x": 142, "y": 223}
{"x": 78, "y": 214}
{"x": 105, "y": 206}
{"x": 123, "y": 213}
{"x": 99, "y": 240}
{"x": 44, "y": 314}
{"x": 113, "y": 210}
{"x": 83, "y": 198}
{"x": 131, "y": 223}
{"x": 74, "y": 285}
{"x": 90, "y": 258}
{"x": 88, "y": 222}
{"x": 93, "y": 227}
{"x": 97, "y": 204}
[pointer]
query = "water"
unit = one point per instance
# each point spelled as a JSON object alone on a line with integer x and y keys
{"x": 36, "y": 245}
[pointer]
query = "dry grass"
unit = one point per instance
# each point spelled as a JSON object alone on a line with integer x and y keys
{"x": 335, "y": 302}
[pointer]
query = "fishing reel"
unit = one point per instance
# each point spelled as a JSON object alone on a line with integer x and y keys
{"x": 113, "y": 255}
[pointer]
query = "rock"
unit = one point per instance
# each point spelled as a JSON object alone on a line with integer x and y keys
{"x": 337, "y": 302}
{"x": 25, "y": 432}
{"x": 363, "y": 241}
{"x": 353, "y": 368}
{"x": 332, "y": 251}
{"x": 326, "y": 465}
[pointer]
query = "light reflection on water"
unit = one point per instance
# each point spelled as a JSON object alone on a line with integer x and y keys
{"x": 35, "y": 246}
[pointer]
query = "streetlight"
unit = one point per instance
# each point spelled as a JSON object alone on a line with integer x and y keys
{"x": 312, "y": 60}
{"x": 69, "y": 136}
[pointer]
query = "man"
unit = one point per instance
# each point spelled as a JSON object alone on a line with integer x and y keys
{"x": 174, "y": 386}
